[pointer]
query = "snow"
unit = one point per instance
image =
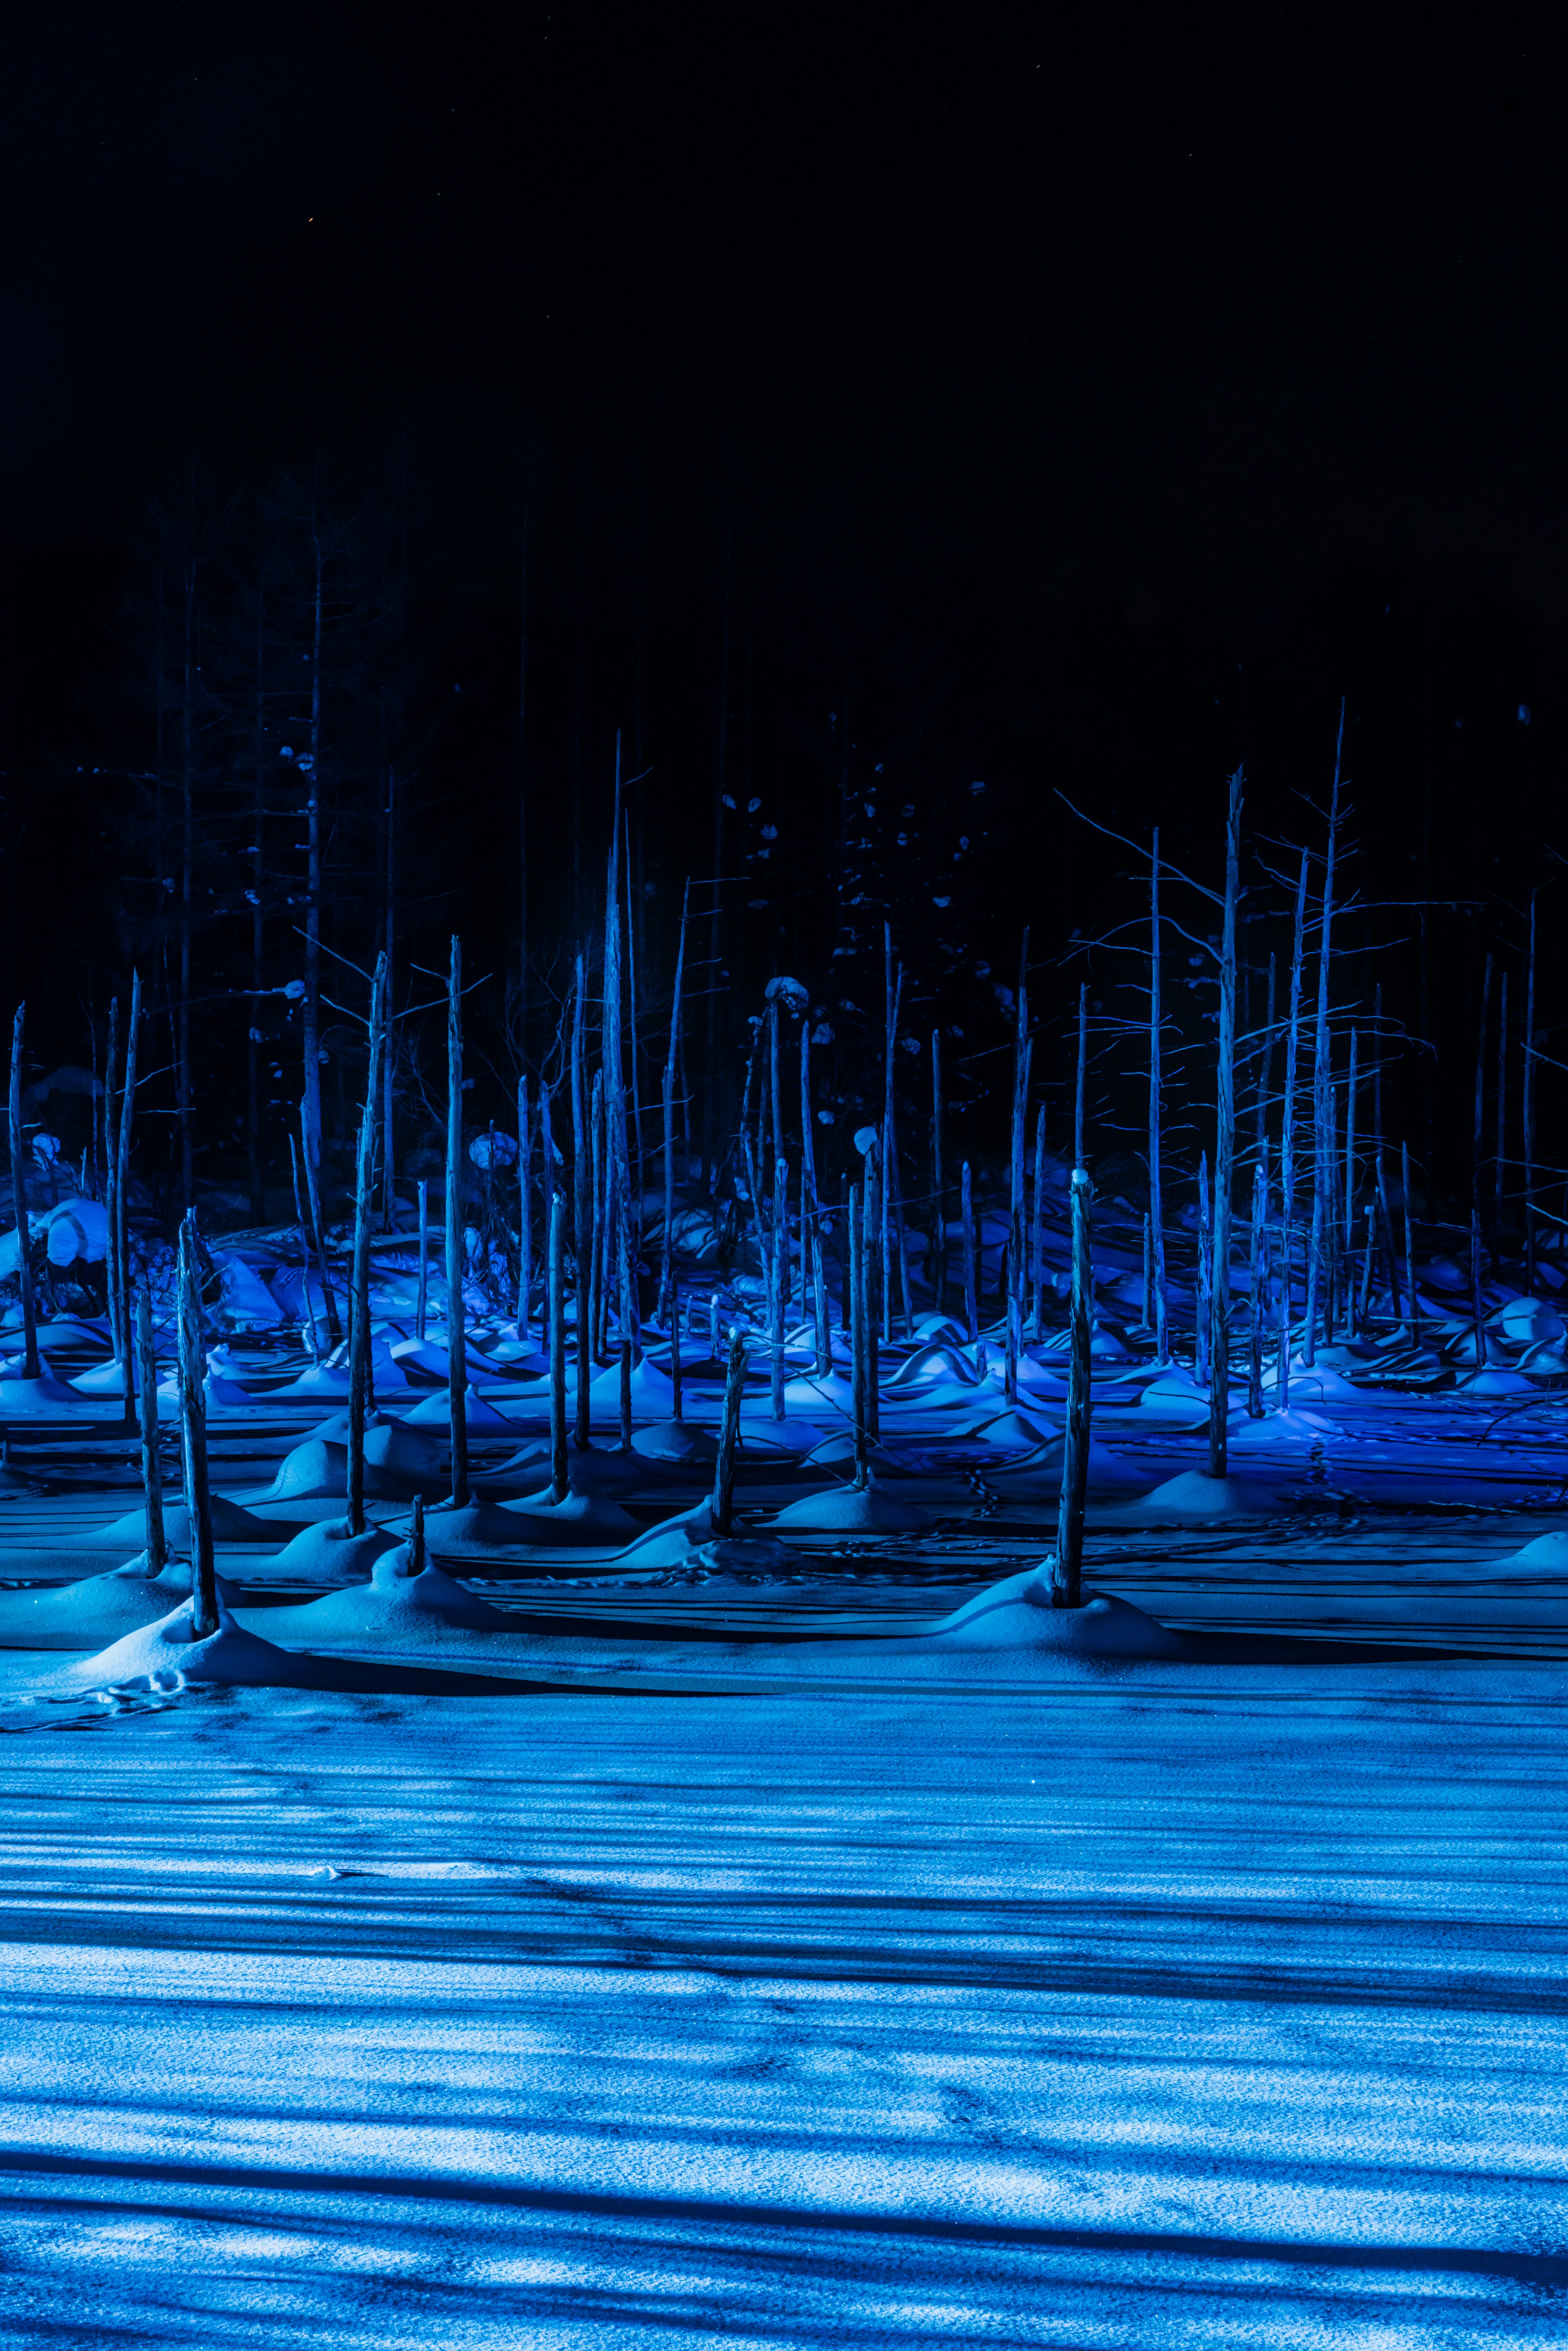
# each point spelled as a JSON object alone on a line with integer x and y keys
{"x": 1117, "y": 2014}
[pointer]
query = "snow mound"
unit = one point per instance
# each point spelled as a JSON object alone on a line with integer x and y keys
{"x": 1037, "y": 1477}
{"x": 317, "y": 1470}
{"x": 676, "y": 1440}
{"x": 846, "y": 1509}
{"x": 94, "y": 1609}
{"x": 1550, "y": 1551}
{"x": 581, "y": 1517}
{"x": 483, "y": 1419}
{"x": 1195, "y": 1495}
{"x": 1017, "y": 1614}
{"x": 394, "y": 1606}
{"x": 938, "y": 1365}
{"x": 164, "y": 1655}
{"x": 230, "y": 1524}
{"x": 329, "y": 1553}
{"x": 41, "y": 1399}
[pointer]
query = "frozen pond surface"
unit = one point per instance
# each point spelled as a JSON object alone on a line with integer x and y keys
{"x": 1200, "y": 2007}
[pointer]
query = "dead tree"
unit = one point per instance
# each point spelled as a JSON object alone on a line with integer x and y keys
{"x": 1225, "y": 1150}
{"x": 193, "y": 1436}
{"x": 1067, "y": 1561}
{"x": 361, "y": 1396}
{"x": 151, "y": 1462}
{"x": 31, "y": 1367}
{"x": 456, "y": 1335}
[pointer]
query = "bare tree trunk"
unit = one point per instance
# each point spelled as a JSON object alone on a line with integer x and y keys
{"x": 1016, "y": 1203}
{"x": 31, "y": 1367}
{"x": 1323, "y": 1153}
{"x": 121, "y": 1213}
{"x": 971, "y": 1275}
{"x": 938, "y": 1184}
{"x": 1288, "y": 1140}
{"x": 1156, "y": 1181}
{"x": 1502, "y": 1127}
{"x": 1409, "y": 1247}
{"x": 334, "y": 1327}
{"x": 869, "y": 1261}
{"x": 1478, "y": 1142}
{"x": 421, "y": 1295}
{"x": 119, "y": 1338}
{"x": 310, "y": 1010}
{"x": 559, "y": 1475}
{"x": 193, "y": 1426}
{"x": 582, "y": 1209}
{"x": 780, "y": 1283}
{"x": 1260, "y": 1282}
{"x": 667, "y": 1270}
{"x": 1082, "y": 1071}
{"x": 361, "y": 1396}
{"x": 1036, "y": 1254}
{"x": 184, "y": 1105}
{"x": 302, "y": 1221}
{"x": 389, "y": 1066}
{"x": 1348, "y": 1204}
{"x": 857, "y": 1344}
{"x": 257, "y": 853}
{"x": 1224, "y": 1151}
{"x": 1067, "y": 1563}
{"x": 1203, "y": 1317}
{"x": 151, "y": 1462}
{"x": 1527, "y": 1110}
{"x": 724, "y": 1472}
{"x": 677, "y": 1393}
{"x": 456, "y": 1334}
{"x": 525, "y": 1209}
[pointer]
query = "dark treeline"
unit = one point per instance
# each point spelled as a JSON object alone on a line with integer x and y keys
{"x": 345, "y": 706}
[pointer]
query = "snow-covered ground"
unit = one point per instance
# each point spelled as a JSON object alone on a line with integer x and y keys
{"x": 1217, "y": 2005}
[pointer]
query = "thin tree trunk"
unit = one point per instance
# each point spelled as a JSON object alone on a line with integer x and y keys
{"x": 1258, "y": 1273}
{"x": 1067, "y": 1561}
{"x": 1288, "y": 1139}
{"x": 310, "y": 1010}
{"x": 194, "y": 1427}
{"x": 971, "y": 1276}
{"x": 122, "y": 1190}
{"x": 389, "y": 1064}
{"x": 724, "y": 1472}
{"x": 120, "y": 1339}
{"x": 1527, "y": 1109}
{"x": 1016, "y": 1203}
{"x": 525, "y": 1209}
{"x": 31, "y": 1367}
{"x": 558, "y": 1477}
{"x": 857, "y": 1341}
{"x": 1265, "y": 1062}
{"x": 667, "y": 1270}
{"x": 152, "y": 1461}
{"x": 1203, "y": 1320}
{"x": 1082, "y": 1069}
{"x": 1037, "y": 1253}
{"x": 1156, "y": 1183}
{"x": 334, "y": 1327}
{"x": 360, "y": 1394}
{"x": 456, "y": 1334}
{"x": 676, "y": 1384}
{"x": 1409, "y": 1247}
{"x": 1323, "y": 1155}
{"x": 869, "y": 1261}
{"x": 582, "y": 1207}
{"x": 256, "y": 852}
{"x": 780, "y": 1283}
{"x": 1502, "y": 1125}
{"x": 1476, "y": 1288}
{"x": 1477, "y": 1141}
{"x": 1348, "y": 1204}
{"x": 421, "y": 1296}
{"x": 302, "y": 1221}
{"x": 938, "y": 1184}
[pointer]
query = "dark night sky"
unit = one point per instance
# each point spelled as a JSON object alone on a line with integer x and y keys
{"x": 1150, "y": 378}
{"x": 1172, "y": 299}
